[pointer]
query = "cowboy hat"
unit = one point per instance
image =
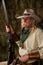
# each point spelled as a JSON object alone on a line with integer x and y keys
{"x": 29, "y": 13}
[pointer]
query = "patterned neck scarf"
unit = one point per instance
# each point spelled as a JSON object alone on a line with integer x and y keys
{"x": 24, "y": 35}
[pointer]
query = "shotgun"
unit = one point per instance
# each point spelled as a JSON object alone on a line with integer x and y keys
{"x": 11, "y": 40}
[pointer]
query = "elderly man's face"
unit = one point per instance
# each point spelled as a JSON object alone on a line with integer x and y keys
{"x": 26, "y": 22}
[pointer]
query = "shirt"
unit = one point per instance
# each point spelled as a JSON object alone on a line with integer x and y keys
{"x": 33, "y": 43}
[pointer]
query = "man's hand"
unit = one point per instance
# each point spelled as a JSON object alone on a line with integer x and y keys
{"x": 24, "y": 58}
{"x": 9, "y": 29}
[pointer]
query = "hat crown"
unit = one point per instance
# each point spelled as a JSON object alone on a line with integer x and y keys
{"x": 28, "y": 11}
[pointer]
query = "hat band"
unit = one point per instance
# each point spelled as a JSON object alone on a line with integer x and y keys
{"x": 26, "y": 14}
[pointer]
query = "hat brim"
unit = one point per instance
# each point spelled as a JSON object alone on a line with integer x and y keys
{"x": 35, "y": 17}
{"x": 23, "y": 16}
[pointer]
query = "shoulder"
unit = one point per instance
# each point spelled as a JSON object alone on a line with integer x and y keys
{"x": 39, "y": 31}
{"x": 39, "y": 34}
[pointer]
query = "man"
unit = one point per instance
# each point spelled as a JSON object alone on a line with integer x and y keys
{"x": 31, "y": 38}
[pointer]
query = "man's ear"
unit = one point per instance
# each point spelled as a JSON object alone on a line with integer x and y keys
{"x": 33, "y": 22}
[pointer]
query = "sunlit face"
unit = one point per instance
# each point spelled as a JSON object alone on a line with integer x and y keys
{"x": 26, "y": 22}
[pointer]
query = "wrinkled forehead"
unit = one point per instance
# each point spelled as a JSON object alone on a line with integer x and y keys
{"x": 26, "y": 19}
